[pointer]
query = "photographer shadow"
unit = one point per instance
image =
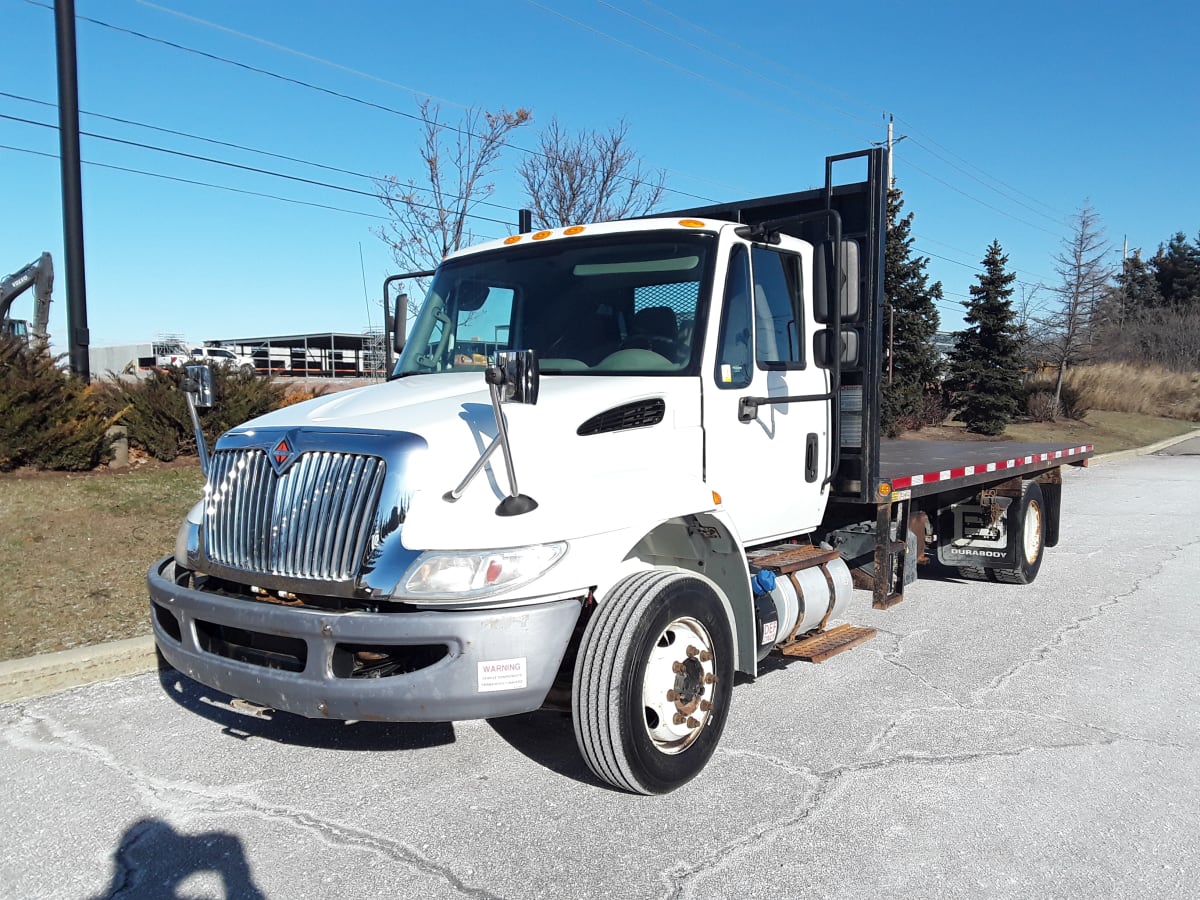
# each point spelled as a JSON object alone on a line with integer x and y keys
{"x": 155, "y": 861}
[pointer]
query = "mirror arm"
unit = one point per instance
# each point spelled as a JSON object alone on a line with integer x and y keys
{"x": 198, "y": 389}
{"x": 514, "y": 378}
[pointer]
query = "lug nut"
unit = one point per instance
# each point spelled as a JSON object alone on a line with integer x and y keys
{"x": 677, "y": 668}
{"x": 679, "y": 719}
{"x": 692, "y": 723}
{"x": 705, "y": 656}
{"x": 705, "y": 706}
{"x": 672, "y": 696}
{"x": 710, "y": 678}
{"x": 692, "y": 651}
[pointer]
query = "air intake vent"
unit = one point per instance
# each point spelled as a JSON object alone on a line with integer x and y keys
{"x": 641, "y": 414}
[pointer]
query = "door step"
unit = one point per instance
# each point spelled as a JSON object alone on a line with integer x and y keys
{"x": 819, "y": 647}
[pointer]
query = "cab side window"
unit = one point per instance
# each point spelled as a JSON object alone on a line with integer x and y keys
{"x": 778, "y": 309}
{"x": 735, "y": 361}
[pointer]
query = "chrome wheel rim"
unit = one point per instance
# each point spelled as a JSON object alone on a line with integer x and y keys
{"x": 678, "y": 686}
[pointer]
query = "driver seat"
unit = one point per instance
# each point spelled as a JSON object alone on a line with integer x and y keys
{"x": 655, "y": 328}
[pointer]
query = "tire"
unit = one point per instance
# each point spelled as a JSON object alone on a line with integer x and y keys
{"x": 248, "y": 369}
{"x": 1031, "y": 541}
{"x": 647, "y": 705}
{"x": 974, "y": 573}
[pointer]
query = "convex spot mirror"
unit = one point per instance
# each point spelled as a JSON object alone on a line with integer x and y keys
{"x": 517, "y": 375}
{"x": 199, "y": 385}
{"x": 824, "y": 350}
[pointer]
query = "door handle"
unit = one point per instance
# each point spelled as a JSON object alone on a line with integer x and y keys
{"x": 810, "y": 458}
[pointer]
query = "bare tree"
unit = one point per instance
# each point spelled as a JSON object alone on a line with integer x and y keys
{"x": 431, "y": 220}
{"x": 1085, "y": 277}
{"x": 591, "y": 176}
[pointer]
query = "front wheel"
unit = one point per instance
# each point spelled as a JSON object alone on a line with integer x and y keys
{"x": 652, "y": 683}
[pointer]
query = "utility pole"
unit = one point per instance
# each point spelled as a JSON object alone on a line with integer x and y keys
{"x": 72, "y": 187}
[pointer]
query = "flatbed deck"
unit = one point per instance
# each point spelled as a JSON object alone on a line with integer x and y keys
{"x": 926, "y": 467}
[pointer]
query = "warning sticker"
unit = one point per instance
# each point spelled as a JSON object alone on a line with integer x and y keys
{"x": 502, "y": 675}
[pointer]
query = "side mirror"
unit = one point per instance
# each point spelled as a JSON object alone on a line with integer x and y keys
{"x": 199, "y": 386}
{"x": 829, "y": 283}
{"x": 517, "y": 375}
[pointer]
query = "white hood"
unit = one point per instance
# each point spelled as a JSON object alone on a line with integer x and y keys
{"x": 583, "y": 484}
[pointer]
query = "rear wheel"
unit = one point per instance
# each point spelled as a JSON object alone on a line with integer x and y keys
{"x": 652, "y": 682}
{"x": 1031, "y": 542}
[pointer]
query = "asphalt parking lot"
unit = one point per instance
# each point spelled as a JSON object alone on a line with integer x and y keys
{"x": 992, "y": 741}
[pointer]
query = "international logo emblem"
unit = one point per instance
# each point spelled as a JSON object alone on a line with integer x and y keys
{"x": 282, "y": 455}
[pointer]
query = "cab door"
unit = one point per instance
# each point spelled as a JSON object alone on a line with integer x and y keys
{"x": 770, "y": 470}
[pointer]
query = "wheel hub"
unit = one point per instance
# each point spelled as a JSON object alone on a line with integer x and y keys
{"x": 678, "y": 686}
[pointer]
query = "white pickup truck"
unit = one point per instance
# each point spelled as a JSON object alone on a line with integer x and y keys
{"x": 222, "y": 356}
{"x": 691, "y": 405}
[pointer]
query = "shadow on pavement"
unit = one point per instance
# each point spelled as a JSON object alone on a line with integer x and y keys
{"x": 153, "y": 860}
{"x": 245, "y": 721}
{"x": 547, "y": 738}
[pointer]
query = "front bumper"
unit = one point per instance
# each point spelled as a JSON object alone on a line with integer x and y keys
{"x": 494, "y": 662}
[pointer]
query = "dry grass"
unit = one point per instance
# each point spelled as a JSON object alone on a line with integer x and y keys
{"x": 1145, "y": 390}
{"x": 74, "y": 550}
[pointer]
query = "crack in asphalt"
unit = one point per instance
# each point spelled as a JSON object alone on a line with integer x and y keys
{"x": 1040, "y": 654}
{"x": 682, "y": 881}
{"x": 41, "y": 733}
{"x": 893, "y": 658}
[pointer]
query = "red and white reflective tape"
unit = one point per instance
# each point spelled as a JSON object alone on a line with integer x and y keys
{"x": 907, "y": 481}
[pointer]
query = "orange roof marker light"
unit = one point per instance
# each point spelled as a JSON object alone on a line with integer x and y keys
{"x": 513, "y": 239}
{"x": 542, "y": 235}
{"x": 691, "y": 223}
{"x": 574, "y": 229}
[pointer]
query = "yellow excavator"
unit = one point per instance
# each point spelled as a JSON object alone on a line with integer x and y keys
{"x": 38, "y": 275}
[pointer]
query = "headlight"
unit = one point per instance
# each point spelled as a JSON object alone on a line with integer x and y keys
{"x": 451, "y": 576}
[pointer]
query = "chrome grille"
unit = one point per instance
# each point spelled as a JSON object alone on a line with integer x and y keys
{"x": 311, "y": 522}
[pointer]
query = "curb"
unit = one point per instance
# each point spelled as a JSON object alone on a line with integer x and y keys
{"x": 49, "y": 673}
{"x": 1144, "y": 451}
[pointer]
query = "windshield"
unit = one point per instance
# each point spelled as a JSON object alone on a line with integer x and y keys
{"x": 623, "y": 305}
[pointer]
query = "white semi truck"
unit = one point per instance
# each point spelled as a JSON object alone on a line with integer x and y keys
{"x": 691, "y": 405}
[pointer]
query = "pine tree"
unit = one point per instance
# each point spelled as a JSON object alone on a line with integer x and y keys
{"x": 911, "y": 321}
{"x": 985, "y": 365}
{"x": 1177, "y": 270}
{"x": 1137, "y": 289}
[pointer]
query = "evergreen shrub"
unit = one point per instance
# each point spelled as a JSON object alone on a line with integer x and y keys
{"x": 49, "y": 419}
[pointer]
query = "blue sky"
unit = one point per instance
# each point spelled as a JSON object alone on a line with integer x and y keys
{"x": 1012, "y": 115}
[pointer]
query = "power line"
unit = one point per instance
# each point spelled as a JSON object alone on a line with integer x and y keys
{"x": 730, "y": 62}
{"x": 1057, "y": 214}
{"x": 192, "y": 181}
{"x": 1057, "y": 217}
{"x": 231, "y": 145}
{"x": 252, "y": 169}
{"x": 686, "y": 71}
{"x": 329, "y": 91}
{"x": 300, "y": 53}
{"x": 941, "y": 181}
{"x": 925, "y": 237}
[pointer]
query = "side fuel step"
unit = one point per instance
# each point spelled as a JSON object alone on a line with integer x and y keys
{"x": 819, "y": 647}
